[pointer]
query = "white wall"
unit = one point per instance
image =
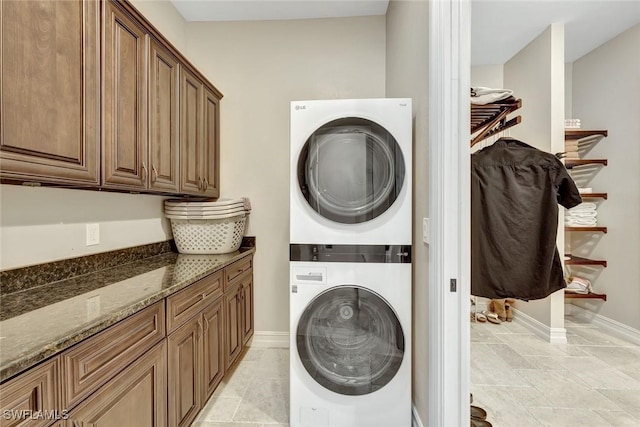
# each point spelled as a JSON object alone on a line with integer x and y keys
{"x": 488, "y": 76}
{"x": 606, "y": 85}
{"x": 407, "y": 68}
{"x": 536, "y": 74}
{"x": 39, "y": 225}
{"x": 260, "y": 67}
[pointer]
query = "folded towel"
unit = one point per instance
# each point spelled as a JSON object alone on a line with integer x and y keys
{"x": 579, "y": 285}
{"x": 584, "y": 206}
{"x": 483, "y": 95}
{"x": 585, "y": 190}
{"x": 583, "y": 222}
{"x": 584, "y": 214}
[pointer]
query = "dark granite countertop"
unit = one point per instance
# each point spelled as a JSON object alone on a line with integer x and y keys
{"x": 41, "y": 321}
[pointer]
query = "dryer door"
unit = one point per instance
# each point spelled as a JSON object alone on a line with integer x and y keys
{"x": 350, "y": 340}
{"x": 351, "y": 170}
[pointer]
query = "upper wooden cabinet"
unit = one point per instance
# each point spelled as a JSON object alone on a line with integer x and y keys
{"x": 199, "y": 137}
{"x": 124, "y": 100}
{"x": 49, "y": 94}
{"x": 93, "y": 95}
{"x": 164, "y": 109}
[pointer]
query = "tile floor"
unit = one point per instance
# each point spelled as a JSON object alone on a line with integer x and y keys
{"x": 520, "y": 380}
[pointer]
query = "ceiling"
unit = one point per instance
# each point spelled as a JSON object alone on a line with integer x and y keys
{"x": 499, "y": 28}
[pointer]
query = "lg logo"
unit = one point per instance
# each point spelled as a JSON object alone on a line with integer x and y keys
{"x": 300, "y": 107}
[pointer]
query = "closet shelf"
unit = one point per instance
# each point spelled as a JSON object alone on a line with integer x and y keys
{"x": 572, "y": 163}
{"x": 594, "y": 195}
{"x": 576, "y": 260}
{"x": 571, "y": 134}
{"x": 569, "y": 295}
{"x": 592, "y": 229}
{"x": 490, "y": 119}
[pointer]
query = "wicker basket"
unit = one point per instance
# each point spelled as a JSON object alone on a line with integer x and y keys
{"x": 208, "y": 236}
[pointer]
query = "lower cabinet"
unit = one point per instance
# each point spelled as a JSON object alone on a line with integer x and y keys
{"x": 137, "y": 397}
{"x": 195, "y": 364}
{"x": 135, "y": 375}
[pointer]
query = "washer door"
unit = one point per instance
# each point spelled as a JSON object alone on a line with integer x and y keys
{"x": 351, "y": 170}
{"x": 350, "y": 341}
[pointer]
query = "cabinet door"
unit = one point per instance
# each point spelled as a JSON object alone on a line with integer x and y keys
{"x": 137, "y": 397}
{"x": 233, "y": 325}
{"x": 164, "y": 110}
{"x": 124, "y": 112}
{"x": 213, "y": 347}
{"x": 247, "y": 308}
{"x": 49, "y": 89}
{"x": 185, "y": 373}
{"x": 211, "y": 144}
{"x": 191, "y": 138}
{"x": 31, "y": 392}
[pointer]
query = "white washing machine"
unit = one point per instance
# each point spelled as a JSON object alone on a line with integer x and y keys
{"x": 351, "y": 171}
{"x": 350, "y": 343}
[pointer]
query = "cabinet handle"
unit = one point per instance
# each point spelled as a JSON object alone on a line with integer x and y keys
{"x": 206, "y": 324}
{"x": 144, "y": 173}
{"x": 154, "y": 173}
{"x": 200, "y": 183}
{"x": 200, "y": 329}
{"x": 206, "y": 184}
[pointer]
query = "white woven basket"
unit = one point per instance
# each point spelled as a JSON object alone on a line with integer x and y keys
{"x": 208, "y": 236}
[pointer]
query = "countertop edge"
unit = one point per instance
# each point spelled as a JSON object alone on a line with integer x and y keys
{"x": 11, "y": 368}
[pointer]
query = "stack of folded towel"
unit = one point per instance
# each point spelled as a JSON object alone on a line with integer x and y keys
{"x": 578, "y": 285}
{"x": 583, "y": 215}
{"x": 572, "y": 123}
{"x": 485, "y": 95}
{"x": 571, "y": 149}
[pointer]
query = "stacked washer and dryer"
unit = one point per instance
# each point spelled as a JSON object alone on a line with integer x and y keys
{"x": 350, "y": 263}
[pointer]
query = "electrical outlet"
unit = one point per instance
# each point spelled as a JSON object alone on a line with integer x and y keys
{"x": 425, "y": 230}
{"x": 93, "y": 234}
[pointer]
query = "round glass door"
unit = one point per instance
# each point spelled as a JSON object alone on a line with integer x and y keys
{"x": 351, "y": 170}
{"x": 350, "y": 341}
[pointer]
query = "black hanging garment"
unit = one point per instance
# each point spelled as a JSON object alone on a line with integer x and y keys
{"x": 515, "y": 191}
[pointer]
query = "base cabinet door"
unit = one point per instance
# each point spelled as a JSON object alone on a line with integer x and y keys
{"x": 247, "y": 308}
{"x": 213, "y": 347}
{"x": 137, "y": 397}
{"x": 233, "y": 325}
{"x": 49, "y": 103}
{"x": 185, "y": 373}
{"x": 35, "y": 391}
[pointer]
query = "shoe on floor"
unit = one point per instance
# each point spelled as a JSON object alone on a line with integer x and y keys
{"x": 480, "y": 423}
{"x": 477, "y": 413}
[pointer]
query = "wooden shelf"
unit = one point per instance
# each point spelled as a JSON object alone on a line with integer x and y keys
{"x": 591, "y": 229}
{"x": 572, "y": 163}
{"x": 489, "y": 119}
{"x": 571, "y": 134}
{"x": 570, "y": 295}
{"x": 594, "y": 195}
{"x": 576, "y": 260}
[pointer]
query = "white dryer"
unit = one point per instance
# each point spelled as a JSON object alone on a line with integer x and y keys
{"x": 351, "y": 171}
{"x": 350, "y": 346}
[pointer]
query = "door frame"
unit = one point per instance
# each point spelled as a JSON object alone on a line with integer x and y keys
{"x": 449, "y": 212}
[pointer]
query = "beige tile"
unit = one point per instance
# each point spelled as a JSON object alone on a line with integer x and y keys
{"x": 597, "y": 337}
{"x": 616, "y": 357}
{"x": 266, "y": 401}
{"x": 619, "y": 419}
{"x": 237, "y": 381}
{"x": 224, "y": 424}
{"x": 554, "y": 417}
{"x": 566, "y": 392}
{"x": 253, "y": 354}
{"x": 628, "y": 401}
{"x": 503, "y": 410}
{"x": 220, "y": 409}
{"x": 274, "y": 363}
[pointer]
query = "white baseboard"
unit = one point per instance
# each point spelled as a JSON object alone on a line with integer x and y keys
{"x": 550, "y": 335}
{"x": 613, "y": 327}
{"x": 270, "y": 339}
{"x": 415, "y": 418}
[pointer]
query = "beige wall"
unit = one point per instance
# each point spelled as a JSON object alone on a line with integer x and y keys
{"x": 606, "y": 85}
{"x": 488, "y": 76}
{"x": 261, "y": 67}
{"x": 166, "y": 18}
{"x": 536, "y": 74}
{"x": 408, "y": 76}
